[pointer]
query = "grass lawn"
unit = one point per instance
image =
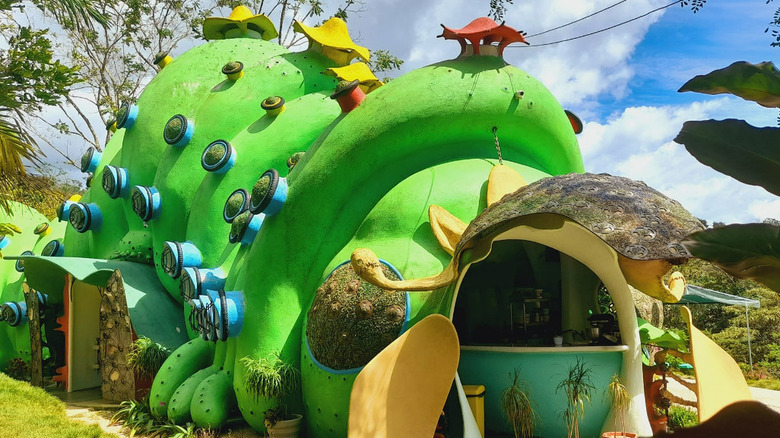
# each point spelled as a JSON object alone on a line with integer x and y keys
{"x": 31, "y": 412}
{"x": 765, "y": 383}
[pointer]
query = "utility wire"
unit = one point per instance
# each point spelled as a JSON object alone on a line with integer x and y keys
{"x": 602, "y": 30}
{"x": 576, "y": 21}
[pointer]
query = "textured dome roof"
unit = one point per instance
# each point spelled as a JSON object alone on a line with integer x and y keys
{"x": 635, "y": 220}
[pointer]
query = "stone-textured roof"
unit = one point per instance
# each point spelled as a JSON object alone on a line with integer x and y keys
{"x": 635, "y": 220}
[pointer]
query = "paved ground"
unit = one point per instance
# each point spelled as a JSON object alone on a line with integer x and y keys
{"x": 766, "y": 396}
{"x": 81, "y": 405}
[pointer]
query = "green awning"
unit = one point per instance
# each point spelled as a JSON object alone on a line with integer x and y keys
{"x": 153, "y": 312}
{"x": 700, "y": 295}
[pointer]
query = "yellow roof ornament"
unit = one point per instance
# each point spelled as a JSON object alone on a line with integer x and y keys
{"x": 332, "y": 39}
{"x": 240, "y": 24}
{"x": 502, "y": 181}
{"x": 357, "y": 71}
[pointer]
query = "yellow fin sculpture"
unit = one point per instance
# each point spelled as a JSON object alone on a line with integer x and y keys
{"x": 502, "y": 181}
{"x": 240, "y": 23}
{"x": 333, "y": 38}
{"x": 647, "y": 276}
{"x": 446, "y": 227}
{"x": 356, "y": 71}
{"x": 719, "y": 381}
{"x": 402, "y": 391}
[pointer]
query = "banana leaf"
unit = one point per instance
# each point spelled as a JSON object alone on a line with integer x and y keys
{"x": 749, "y": 251}
{"x": 735, "y": 148}
{"x": 759, "y": 83}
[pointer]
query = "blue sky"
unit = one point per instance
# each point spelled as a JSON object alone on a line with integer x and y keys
{"x": 682, "y": 44}
{"x": 622, "y": 83}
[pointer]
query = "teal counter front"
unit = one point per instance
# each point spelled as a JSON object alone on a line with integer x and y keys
{"x": 541, "y": 369}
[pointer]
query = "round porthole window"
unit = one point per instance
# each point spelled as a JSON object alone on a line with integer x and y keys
{"x": 114, "y": 181}
{"x": 244, "y": 227}
{"x": 90, "y": 160}
{"x": 145, "y": 202}
{"x": 234, "y": 70}
{"x": 178, "y": 255}
{"x": 42, "y": 228}
{"x": 294, "y": 159}
{"x": 84, "y": 217}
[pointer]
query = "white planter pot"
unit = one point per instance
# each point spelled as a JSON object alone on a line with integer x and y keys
{"x": 286, "y": 428}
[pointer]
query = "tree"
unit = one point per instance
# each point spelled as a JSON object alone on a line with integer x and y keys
{"x": 29, "y": 79}
{"x": 117, "y": 60}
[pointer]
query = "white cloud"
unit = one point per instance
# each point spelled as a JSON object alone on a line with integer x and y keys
{"x": 575, "y": 72}
{"x": 765, "y": 209}
{"x": 637, "y": 143}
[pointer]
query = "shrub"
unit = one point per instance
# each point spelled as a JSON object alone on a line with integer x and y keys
{"x": 680, "y": 417}
{"x": 18, "y": 369}
{"x": 147, "y": 356}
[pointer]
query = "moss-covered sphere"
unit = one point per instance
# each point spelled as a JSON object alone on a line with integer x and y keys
{"x": 239, "y": 225}
{"x": 174, "y": 129}
{"x": 235, "y": 204}
{"x": 215, "y": 153}
{"x": 352, "y": 320}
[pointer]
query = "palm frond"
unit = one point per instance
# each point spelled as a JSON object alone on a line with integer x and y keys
{"x": 79, "y": 14}
{"x": 15, "y": 145}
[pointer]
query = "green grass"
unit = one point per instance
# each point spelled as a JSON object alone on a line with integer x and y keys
{"x": 681, "y": 417}
{"x": 773, "y": 384}
{"x": 30, "y": 412}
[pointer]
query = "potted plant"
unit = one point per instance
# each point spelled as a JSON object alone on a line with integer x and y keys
{"x": 578, "y": 388}
{"x": 146, "y": 357}
{"x": 272, "y": 378}
{"x": 619, "y": 399}
{"x": 518, "y": 408}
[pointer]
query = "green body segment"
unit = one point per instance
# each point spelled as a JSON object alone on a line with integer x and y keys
{"x": 431, "y": 116}
{"x": 180, "y": 365}
{"x": 402, "y": 237}
{"x": 366, "y": 180}
{"x": 181, "y": 400}
{"x": 179, "y": 405}
{"x": 214, "y": 400}
{"x": 15, "y": 341}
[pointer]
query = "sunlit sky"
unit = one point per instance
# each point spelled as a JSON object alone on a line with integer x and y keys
{"x": 622, "y": 82}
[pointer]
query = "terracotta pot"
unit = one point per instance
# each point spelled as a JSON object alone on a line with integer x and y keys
{"x": 286, "y": 428}
{"x": 618, "y": 435}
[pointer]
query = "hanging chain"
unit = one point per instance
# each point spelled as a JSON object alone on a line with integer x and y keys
{"x": 498, "y": 146}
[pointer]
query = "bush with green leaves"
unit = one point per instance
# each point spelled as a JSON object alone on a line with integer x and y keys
{"x": 680, "y": 417}
{"x": 18, "y": 369}
{"x": 136, "y": 417}
{"x": 146, "y": 356}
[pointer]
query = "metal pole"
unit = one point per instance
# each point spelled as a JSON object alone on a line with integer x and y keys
{"x": 750, "y": 351}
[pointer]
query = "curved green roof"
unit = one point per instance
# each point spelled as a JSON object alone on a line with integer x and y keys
{"x": 153, "y": 312}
